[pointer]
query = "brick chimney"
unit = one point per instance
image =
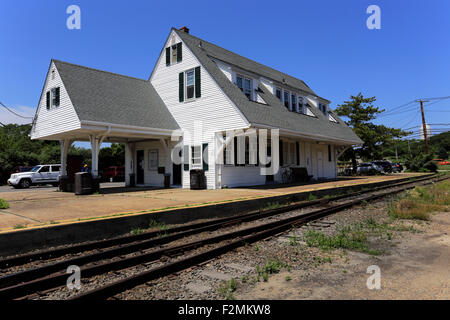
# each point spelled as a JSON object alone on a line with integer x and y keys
{"x": 185, "y": 29}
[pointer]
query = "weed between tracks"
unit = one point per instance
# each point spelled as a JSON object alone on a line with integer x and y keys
{"x": 152, "y": 225}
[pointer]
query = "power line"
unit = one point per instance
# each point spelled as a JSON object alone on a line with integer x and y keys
{"x": 24, "y": 117}
{"x": 430, "y": 124}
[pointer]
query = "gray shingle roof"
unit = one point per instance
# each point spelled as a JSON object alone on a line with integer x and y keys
{"x": 275, "y": 114}
{"x": 113, "y": 98}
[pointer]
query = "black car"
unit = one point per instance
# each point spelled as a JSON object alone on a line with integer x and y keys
{"x": 385, "y": 164}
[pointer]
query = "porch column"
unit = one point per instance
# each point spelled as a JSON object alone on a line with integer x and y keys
{"x": 65, "y": 145}
{"x": 129, "y": 163}
{"x": 96, "y": 142}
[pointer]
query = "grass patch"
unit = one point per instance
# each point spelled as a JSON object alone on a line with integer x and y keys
{"x": 227, "y": 288}
{"x": 4, "y": 204}
{"x": 158, "y": 225}
{"x": 19, "y": 226}
{"x": 351, "y": 238}
{"x": 272, "y": 205}
{"x": 137, "y": 231}
{"x": 270, "y": 267}
{"x": 420, "y": 202}
{"x": 311, "y": 197}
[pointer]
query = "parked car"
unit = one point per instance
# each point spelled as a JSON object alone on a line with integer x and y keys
{"x": 21, "y": 169}
{"x": 114, "y": 173}
{"x": 385, "y": 164}
{"x": 369, "y": 168}
{"x": 39, "y": 175}
{"x": 397, "y": 167}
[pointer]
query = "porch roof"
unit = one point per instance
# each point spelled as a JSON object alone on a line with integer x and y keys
{"x": 109, "y": 98}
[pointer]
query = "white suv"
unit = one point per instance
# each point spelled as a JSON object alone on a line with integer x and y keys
{"x": 39, "y": 175}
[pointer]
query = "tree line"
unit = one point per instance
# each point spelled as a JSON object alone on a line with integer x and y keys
{"x": 17, "y": 149}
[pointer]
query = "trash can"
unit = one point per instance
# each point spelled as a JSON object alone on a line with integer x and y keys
{"x": 83, "y": 183}
{"x": 197, "y": 179}
{"x": 63, "y": 183}
{"x": 166, "y": 180}
{"x": 132, "y": 181}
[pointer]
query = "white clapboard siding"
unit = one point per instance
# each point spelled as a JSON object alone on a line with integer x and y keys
{"x": 213, "y": 108}
{"x": 235, "y": 176}
{"x": 57, "y": 119}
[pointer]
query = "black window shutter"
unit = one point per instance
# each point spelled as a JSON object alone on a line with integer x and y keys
{"x": 168, "y": 56}
{"x": 257, "y": 151}
{"x": 235, "y": 151}
{"x": 186, "y": 157}
{"x": 181, "y": 86}
{"x": 57, "y": 96}
{"x": 205, "y": 156}
{"x": 281, "y": 152}
{"x": 197, "y": 83}
{"x": 48, "y": 99}
{"x": 297, "y": 151}
{"x": 179, "y": 52}
{"x": 329, "y": 153}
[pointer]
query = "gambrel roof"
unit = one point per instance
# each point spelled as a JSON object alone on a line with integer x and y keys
{"x": 274, "y": 114}
{"x": 112, "y": 98}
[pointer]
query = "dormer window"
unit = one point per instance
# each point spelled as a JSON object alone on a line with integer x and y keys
{"x": 293, "y": 102}
{"x": 286, "y": 99}
{"x": 245, "y": 85}
{"x": 300, "y": 108}
{"x": 323, "y": 108}
{"x": 278, "y": 93}
{"x": 174, "y": 54}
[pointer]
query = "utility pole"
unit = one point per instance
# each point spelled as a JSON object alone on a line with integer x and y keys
{"x": 424, "y": 125}
{"x": 396, "y": 154}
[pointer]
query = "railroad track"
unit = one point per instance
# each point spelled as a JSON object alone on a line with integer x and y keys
{"x": 130, "y": 251}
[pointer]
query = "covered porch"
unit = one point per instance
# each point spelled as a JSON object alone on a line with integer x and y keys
{"x": 148, "y": 152}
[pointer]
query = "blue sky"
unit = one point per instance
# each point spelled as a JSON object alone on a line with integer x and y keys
{"x": 324, "y": 43}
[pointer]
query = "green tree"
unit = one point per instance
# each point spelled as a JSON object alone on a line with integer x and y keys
{"x": 360, "y": 113}
{"x": 442, "y": 153}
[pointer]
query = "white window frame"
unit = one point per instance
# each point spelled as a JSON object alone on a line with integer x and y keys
{"x": 244, "y": 89}
{"x": 200, "y": 158}
{"x": 172, "y": 52}
{"x": 153, "y": 152}
{"x": 281, "y": 93}
{"x": 293, "y": 104}
{"x": 300, "y": 106}
{"x": 186, "y": 85}
{"x": 288, "y": 100}
{"x": 54, "y": 106}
